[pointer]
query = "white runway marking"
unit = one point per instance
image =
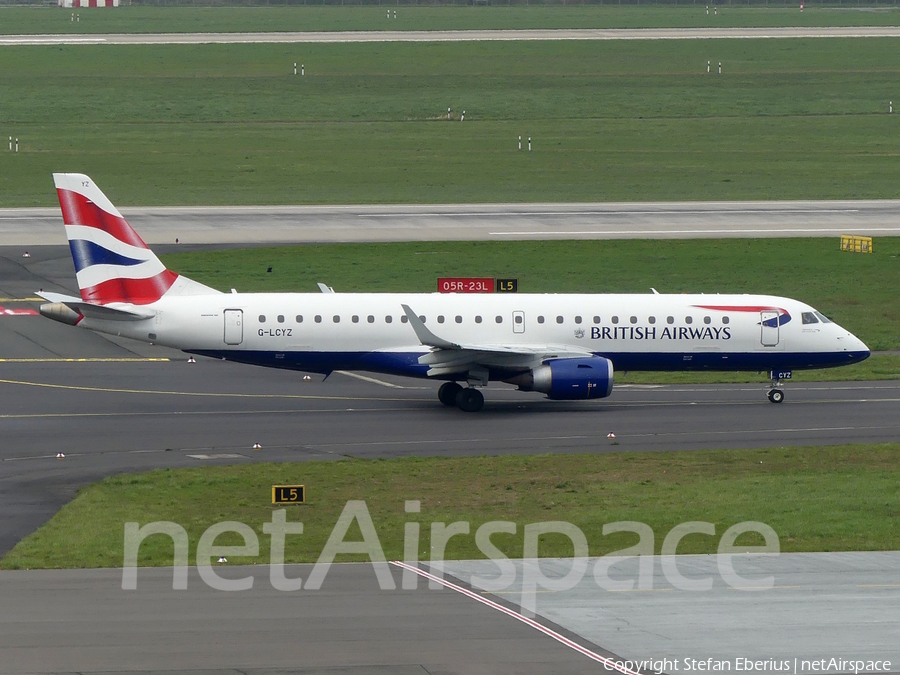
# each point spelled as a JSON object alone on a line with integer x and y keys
{"x": 609, "y": 664}
{"x": 373, "y": 380}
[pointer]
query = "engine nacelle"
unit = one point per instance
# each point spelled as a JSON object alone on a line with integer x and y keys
{"x": 570, "y": 379}
{"x": 60, "y": 312}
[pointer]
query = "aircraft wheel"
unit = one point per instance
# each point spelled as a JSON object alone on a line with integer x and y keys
{"x": 469, "y": 400}
{"x": 776, "y": 396}
{"x": 447, "y": 393}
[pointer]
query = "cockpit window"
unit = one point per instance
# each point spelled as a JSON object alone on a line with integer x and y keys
{"x": 809, "y": 317}
{"x": 823, "y": 318}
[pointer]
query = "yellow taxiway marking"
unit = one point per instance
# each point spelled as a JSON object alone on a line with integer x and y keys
{"x": 878, "y": 585}
{"x": 123, "y": 359}
{"x": 108, "y": 390}
{"x": 22, "y": 300}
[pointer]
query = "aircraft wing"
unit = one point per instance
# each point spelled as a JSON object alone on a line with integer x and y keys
{"x": 449, "y": 358}
{"x": 90, "y": 310}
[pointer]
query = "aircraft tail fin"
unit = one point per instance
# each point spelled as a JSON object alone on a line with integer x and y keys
{"x": 112, "y": 262}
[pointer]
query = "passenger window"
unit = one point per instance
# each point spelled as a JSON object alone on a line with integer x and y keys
{"x": 540, "y": 319}
{"x": 615, "y": 319}
{"x": 404, "y": 318}
{"x": 725, "y": 319}
{"x": 670, "y": 319}
{"x": 651, "y": 319}
{"x": 336, "y": 318}
{"x": 577, "y": 319}
{"x": 707, "y": 319}
{"x": 355, "y": 319}
{"x": 440, "y": 318}
{"x": 422, "y": 318}
{"x": 299, "y": 318}
{"x": 634, "y": 319}
{"x": 477, "y": 319}
{"x": 281, "y": 318}
{"x": 518, "y": 319}
{"x": 388, "y": 318}
{"x": 689, "y": 319}
{"x": 458, "y": 319}
{"x": 499, "y": 319}
{"x": 262, "y": 318}
{"x": 823, "y": 318}
{"x": 318, "y": 318}
{"x": 370, "y": 319}
{"x": 559, "y": 319}
{"x": 809, "y": 317}
{"x": 596, "y": 319}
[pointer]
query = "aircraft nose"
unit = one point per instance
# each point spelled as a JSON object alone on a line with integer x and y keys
{"x": 857, "y": 347}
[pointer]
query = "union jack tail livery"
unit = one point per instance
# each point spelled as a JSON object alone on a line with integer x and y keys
{"x": 112, "y": 262}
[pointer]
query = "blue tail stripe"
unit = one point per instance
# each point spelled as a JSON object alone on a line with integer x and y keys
{"x": 86, "y": 253}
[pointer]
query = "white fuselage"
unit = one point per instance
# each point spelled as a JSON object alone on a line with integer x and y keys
{"x": 369, "y": 331}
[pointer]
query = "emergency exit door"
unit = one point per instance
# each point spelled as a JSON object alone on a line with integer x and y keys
{"x": 234, "y": 326}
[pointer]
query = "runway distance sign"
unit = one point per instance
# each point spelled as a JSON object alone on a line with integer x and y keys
{"x": 466, "y": 285}
{"x": 288, "y": 494}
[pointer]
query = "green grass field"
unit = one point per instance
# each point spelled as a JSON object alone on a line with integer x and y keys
{"x": 816, "y": 499}
{"x": 631, "y": 121}
{"x": 148, "y": 19}
{"x": 857, "y": 290}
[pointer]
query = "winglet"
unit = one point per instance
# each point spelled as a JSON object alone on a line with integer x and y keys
{"x": 325, "y": 288}
{"x": 426, "y": 337}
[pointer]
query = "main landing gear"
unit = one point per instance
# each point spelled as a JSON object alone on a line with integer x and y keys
{"x": 776, "y": 393}
{"x": 467, "y": 399}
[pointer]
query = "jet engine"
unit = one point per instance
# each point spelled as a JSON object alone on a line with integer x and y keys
{"x": 60, "y": 312}
{"x": 569, "y": 379}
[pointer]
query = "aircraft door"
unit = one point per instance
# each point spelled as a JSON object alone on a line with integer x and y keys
{"x": 768, "y": 321}
{"x": 234, "y": 326}
{"x": 518, "y": 322}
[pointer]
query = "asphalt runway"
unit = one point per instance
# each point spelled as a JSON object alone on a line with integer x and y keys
{"x": 441, "y": 222}
{"x": 456, "y": 35}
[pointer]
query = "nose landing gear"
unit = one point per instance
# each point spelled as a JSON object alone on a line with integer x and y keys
{"x": 776, "y": 393}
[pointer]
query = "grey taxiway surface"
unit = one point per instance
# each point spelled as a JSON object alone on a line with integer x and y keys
{"x": 458, "y": 35}
{"x": 659, "y": 220}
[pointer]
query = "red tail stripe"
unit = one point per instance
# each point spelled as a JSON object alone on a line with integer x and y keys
{"x": 136, "y": 291}
{"x": 78, "y": 210}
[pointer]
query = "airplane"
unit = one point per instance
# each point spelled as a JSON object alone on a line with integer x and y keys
{"x": 566, "y": 346}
